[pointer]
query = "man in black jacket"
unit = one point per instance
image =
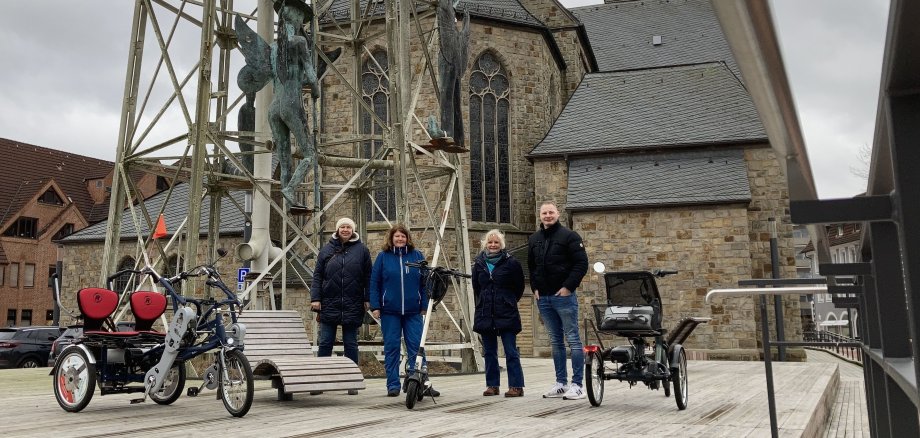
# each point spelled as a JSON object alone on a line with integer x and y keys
{"x": 558, "y": 261}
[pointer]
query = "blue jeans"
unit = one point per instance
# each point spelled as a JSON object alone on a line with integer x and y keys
{"x": 512, "y": 359}
{"x": 560, "y": 317}
{"x": 394, "y": 329}
{"x": 327, "y": 339}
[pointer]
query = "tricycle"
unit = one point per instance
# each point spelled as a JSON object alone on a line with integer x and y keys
{"x": 633, "y": 310}
{"x": 151, "y": 362}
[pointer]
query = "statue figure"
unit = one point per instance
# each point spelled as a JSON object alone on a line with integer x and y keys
{"x": 452, "y": 64}
{"x": 289, "y": 62}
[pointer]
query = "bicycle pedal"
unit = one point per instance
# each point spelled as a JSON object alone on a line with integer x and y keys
{"x": 192, "y": 392}
{"x": 135, "y": 401}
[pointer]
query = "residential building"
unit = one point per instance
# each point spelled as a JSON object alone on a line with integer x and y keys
{"x": 48, "y": 194}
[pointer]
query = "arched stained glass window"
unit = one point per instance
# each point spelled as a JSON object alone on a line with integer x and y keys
{"x": 375, "y": 90}
{"x": 489, "y": 135}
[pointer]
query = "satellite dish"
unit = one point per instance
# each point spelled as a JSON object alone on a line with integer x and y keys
{"x": 599, "y": 267}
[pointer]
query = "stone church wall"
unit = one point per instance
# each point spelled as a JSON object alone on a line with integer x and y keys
{"x": 710, "y": 246}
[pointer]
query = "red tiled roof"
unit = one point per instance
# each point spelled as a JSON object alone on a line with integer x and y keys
{"x": 26, "y": 168}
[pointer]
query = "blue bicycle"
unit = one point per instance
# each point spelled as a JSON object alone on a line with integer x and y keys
{"x": 144, "y": 360}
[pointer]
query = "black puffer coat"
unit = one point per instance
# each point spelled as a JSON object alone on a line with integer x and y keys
{"x": 556, "y": 258}
{"x": 341, "y": 280}
{"x": 497, "y": 294}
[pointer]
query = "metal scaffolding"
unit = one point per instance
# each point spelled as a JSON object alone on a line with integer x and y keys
{"x": 195, "y": 120}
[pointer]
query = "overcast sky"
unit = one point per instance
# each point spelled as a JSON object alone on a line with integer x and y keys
{"x": 62, "y": 74}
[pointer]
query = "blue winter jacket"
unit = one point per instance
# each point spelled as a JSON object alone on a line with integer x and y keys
{"x": 395, "y": 288}
{"x": 340, "y": 281}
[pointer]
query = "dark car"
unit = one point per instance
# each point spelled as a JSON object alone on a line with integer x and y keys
{"x": 66, "y": 338}
{"x": 26, "y": 347}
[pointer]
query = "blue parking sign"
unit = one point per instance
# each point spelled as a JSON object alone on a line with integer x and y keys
{"x": 241, "y": 274}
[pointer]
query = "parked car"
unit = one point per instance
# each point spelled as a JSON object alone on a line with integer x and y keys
{"x": 26, "y": 347}
{"x": 72, "y": 332}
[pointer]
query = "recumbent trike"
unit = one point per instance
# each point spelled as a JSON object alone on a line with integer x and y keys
{"x": 143, "y": 360}
{"x": 633, "y": 310}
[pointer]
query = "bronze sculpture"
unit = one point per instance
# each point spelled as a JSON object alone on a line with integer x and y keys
{"x": 452, "y": 64}
{"x": 289, "y": 63}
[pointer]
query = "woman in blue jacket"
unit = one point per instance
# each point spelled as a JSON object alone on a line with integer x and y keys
{"x": 498, "y": 284}
{"x": 339, "y": 292}
{"x": 399, "y": 300}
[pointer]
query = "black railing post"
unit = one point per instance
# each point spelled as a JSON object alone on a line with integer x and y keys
{"x": 768, "y": 364}
{"x": 777, "y": 299}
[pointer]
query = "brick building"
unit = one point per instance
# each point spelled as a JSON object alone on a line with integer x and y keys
{"x": 47, "y": 195}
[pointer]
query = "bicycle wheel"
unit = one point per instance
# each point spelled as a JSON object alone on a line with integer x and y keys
{"x": 173, "y": 384}
{"x": 236, "y": 385}
{"x": 74, "y": 380}
{"x": 679, "y": 376}
{"x": 412, "y": 393}
{"x": 594, "y": 376}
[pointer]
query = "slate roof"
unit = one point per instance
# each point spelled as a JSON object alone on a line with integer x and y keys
{"x": 621, "y": 34}
{"x": 26, "y": 168}
{"x": 503, "y": 10}
{"x": 232, "y": 219}
{"x": 654, "y": 108}
{"x": 649, "y": 180}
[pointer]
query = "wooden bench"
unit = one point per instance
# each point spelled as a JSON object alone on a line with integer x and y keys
{"x": 279, "y": 349}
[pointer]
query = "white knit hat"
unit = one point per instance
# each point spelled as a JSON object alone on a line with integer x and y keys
{"x": 345, "y": 221}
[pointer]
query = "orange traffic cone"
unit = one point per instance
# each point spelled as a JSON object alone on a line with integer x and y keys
{"x": 160, "y": 230}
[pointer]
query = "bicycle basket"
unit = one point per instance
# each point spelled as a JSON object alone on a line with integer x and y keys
{"x": 436, "y": 284}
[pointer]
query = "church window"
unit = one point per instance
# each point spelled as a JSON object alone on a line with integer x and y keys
{"x": 490, "y": 92}
{"x": 375, "y": 90}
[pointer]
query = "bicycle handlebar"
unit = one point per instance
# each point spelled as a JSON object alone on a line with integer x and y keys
{"x": 663, "y": 272}
{"x": 423, "y": 265}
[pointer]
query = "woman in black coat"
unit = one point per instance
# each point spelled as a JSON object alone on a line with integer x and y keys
{"x": 498, "y": 284}
{"x": 340, "y": 288}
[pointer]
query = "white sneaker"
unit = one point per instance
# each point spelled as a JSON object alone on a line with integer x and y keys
{"x": 556, "y": 391}
{"x": 575, "y": 392}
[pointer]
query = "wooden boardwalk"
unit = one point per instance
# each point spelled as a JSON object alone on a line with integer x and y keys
{"x": 727, "y": 399}
{"x": 849, "y": 416}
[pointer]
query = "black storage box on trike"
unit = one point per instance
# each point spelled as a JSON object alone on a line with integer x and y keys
{"x": 633, "y": 310}
{"x": 150, "y": 362}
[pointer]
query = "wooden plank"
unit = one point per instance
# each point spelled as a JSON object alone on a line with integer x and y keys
{"x": 274, "y": 337}
{"x": 271, "y": 313}
{"x": 316, "y": 368}
{"x": 320, "y": 374}
{"x": 276, "y": 347}
{"x": 322, "y": 378}
{"x": 305, "y": 387}
{"x": 274, "y": 330}
{"x": 269, "y": 321}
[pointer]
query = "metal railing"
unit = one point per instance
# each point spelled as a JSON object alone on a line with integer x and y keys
{"x": 783, "y": 286}
{"x": 834, "y": 343}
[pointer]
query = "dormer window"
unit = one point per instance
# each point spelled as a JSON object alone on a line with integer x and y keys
{"x": 26, "y": 227}
{"x": 50, "y": 197}
{"x": 65, "y": 231}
